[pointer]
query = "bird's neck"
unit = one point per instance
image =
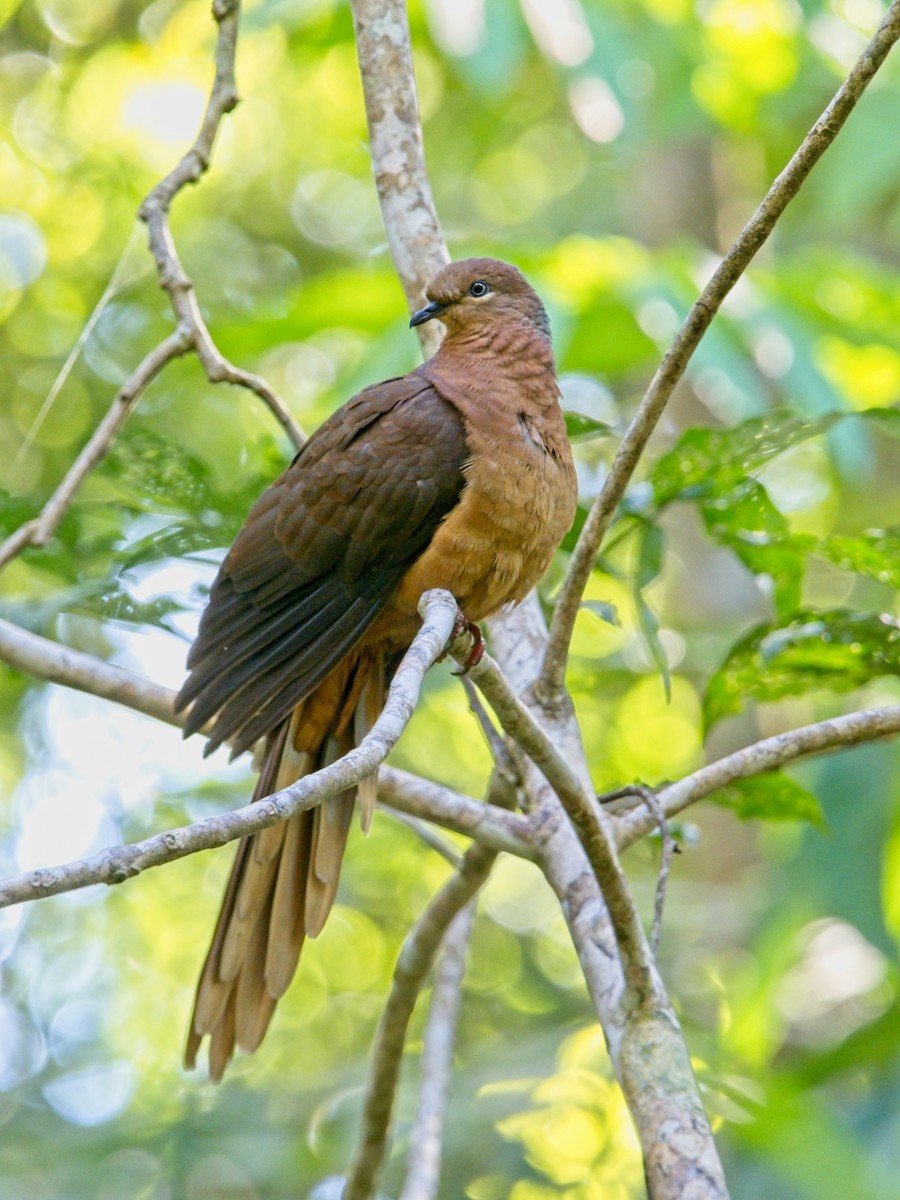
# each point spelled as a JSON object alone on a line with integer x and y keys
{"x": 518, "y": 354}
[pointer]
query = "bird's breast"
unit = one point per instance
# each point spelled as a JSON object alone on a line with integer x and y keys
{"x": 516, "y": 506}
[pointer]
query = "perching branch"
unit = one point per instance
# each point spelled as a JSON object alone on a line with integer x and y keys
{"x": 191, "y": 333}
{"x": 123, "y": 862}
{"x": 673, "y": 365}
{"x": 422, "y": 798}
{"x": 593, "y": 826}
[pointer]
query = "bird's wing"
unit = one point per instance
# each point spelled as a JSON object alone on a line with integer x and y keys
{"x": 320, "y": 554}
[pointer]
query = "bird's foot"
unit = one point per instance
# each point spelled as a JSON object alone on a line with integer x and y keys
{"x": 460, "y": 626}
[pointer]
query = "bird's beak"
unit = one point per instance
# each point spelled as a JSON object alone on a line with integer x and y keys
{"x": 434, "y": 309}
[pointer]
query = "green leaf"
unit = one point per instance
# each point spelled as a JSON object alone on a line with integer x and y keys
{"x": 834, "y": 649}
{"x": 157, "y": 472}
{"x": 650, "y": 552}
{"x": 178, "y": 540}
{"x": 604, "y": 610}
{"x": 707, "y": 462}
{"x": 583, "y": 428}
{"x": 772, "y": 797}
{"x": 747, "y": 522}
{"x": 115, "y": 604}
{"x": 887, "y": 419}
{"x": 649, "y": 565}
{"x": 875, "y": 553}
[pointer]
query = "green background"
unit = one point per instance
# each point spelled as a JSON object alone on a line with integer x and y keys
{"x": 612, "y": 150}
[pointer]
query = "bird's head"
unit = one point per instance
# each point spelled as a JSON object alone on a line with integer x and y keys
{"x": 475, "y": 293}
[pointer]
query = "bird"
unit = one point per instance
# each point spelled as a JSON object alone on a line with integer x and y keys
{"x": 458, "y": 475}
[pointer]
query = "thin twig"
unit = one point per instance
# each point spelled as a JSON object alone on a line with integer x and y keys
{"x": 486, "y": 823}
{"x": 672, "y": 367}
{"x": 191, "y": 332}
{"x": 123, "y": 862}
{"x": 154, "y": 212}
{"x": 428, "y": 836}
{"x": 497, "y": 746}
{"x": 638, "y": 794}
{"x": 416, "y": 958}
{"x": 651, "y": 800}
{"x": 867, "y": 725}
{"x": 39, "y": 531}
{"x": 423, "y": 1164}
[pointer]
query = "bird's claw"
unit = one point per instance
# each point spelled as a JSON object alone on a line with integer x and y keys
{"x": 460, "y": 626}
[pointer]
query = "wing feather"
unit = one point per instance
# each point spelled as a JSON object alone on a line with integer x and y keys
{"x": 320, "y": 554}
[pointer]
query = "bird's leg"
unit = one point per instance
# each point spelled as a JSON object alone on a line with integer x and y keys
{"x": 463, "y": 625}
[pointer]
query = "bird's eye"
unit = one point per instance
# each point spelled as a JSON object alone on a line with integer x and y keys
{"x": 479, "y": 288}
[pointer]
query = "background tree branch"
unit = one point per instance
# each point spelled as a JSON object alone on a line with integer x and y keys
{"x": 423, "y": 1164}
{"x": 677, "y": 357}
{"x": 850, "y": 729}
{"x": 521, "y": 640}
{"x": 191, "y": 332}
{"x": 419, "y": 952}
{"x": 397, "y": 148}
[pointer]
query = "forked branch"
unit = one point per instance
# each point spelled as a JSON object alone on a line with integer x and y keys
{"x": 191, "y": 333}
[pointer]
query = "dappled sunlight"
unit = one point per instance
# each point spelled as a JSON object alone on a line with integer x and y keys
{"x": 578, "y": 1132}
{"x": 167, "y": 113}
{"x": 839, "y": 983}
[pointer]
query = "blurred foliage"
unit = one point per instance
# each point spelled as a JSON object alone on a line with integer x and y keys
{"x": 612, "y": 148}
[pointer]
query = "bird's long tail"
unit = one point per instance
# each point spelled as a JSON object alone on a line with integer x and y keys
{"x": 284, "y": 879}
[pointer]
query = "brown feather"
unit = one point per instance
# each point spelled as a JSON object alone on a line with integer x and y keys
{"x": 221, "y": 1042}
{"x": 458, "y": 476}
{"x": 287, "y": 929}
{"x": 253, "y": 1006}
{"x": 255, "y": 888}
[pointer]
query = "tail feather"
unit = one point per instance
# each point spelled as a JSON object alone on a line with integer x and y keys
{"x": 331, "y": 826}
{"x": 214, "y": 993}
{"x": 221, "y": 1045}
{"x": 284, "y": 879}
{"x": 287, "y": 926}
{"x": 253, "y": 1005}
{"x": 260, "y": 869}
{"x": 366, "y": 713}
